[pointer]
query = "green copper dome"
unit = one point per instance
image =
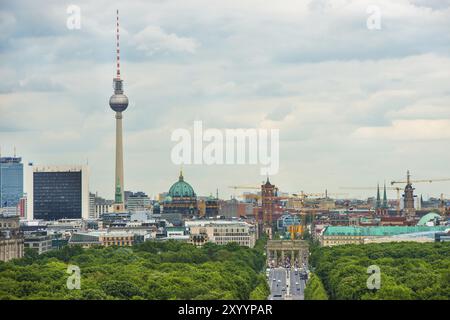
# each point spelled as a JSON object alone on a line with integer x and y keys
{"x": 181, "y": 189}
{"x": 427, "y": 218}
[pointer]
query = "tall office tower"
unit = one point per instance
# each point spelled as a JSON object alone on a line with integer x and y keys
{"x": 57, "y": 192}
{"x": 408, "y": 196}
{"x": 11, "y": 181}
{"x": 119, "y": 103}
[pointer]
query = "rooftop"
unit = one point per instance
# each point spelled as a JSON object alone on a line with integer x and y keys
{"x": 378, "y": 231}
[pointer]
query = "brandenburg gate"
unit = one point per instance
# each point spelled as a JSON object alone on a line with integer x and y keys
{"x": 295, "y": 249}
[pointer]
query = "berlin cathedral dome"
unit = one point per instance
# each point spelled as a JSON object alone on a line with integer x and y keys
{"x": 181, "y": 199}
{"x": 181, "y": 189}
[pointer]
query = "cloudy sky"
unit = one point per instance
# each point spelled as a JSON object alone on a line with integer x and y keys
{"x": 354, "y": 106}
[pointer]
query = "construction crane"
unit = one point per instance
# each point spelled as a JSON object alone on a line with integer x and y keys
{"x": 408, "y": 180}
{"x": 322, "y": 195}
{"x": 372, "y": 188}
{"x": 243, "y": 187}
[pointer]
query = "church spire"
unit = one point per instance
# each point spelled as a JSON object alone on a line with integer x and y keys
{"x": 378, "y": 202}
{"x": 385, "y": 202}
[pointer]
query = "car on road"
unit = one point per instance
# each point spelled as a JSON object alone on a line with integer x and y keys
{"x": 277, "y": 295}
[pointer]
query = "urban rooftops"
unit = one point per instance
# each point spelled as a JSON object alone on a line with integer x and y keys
{"x": 378, "y": 231}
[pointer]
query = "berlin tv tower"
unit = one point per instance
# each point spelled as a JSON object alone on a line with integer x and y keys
{"x": 119, "y": 103}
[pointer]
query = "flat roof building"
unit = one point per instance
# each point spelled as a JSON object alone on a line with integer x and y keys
{"x": 11, "y": 181}
{"x": 57, "y": 192}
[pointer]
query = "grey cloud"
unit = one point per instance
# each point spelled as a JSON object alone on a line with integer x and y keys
{"x": 279, "y": 113}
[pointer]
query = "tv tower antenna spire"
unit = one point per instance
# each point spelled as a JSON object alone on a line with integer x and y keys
{"x": 117, "y": 46}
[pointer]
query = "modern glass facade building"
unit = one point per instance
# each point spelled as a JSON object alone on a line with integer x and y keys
{"x": 11, "y": 181}
{"x": 58, "y": 192}
{"x": 57, "y": 195}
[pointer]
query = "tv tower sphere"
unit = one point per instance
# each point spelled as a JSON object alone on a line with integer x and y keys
{"x": 118, "y": 101}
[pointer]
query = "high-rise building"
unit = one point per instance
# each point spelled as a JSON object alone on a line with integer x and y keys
{"x": 119, "y": 103}
{"x": 11, "y": 181}
{"x": 57, "y": 192}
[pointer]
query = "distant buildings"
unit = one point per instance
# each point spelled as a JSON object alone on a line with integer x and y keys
{"x": 11, "y": 181}
{"x": 102, "y": 206}
{"x": 222, "y": 232}
{"x": 208, "y": 206}
{"x": 442, "y": 236}
{"x": 137, "y": 201}
{"x": 290, "y": 225}
{"x": 234, "y": 209}
{"x": 103, "y": 238}
{"x": 11, "y": 239}
{"x": 58, "y": 192}
{"x": 339, "y": 235}
{"x": 41, "y": 242}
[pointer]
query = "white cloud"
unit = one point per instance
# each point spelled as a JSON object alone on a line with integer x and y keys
{"x": 153, "y": 39}
{"x": 412, "y": 130}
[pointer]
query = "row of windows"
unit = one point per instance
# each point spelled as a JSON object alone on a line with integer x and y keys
{"x": 118, "y": 243}
{"x": 229, "y": 230}
{"x": 232, "y": 238}
{"x": 118, "y": 238}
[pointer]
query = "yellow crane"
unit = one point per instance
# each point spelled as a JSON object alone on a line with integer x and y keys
{"x": 408, "y": 180}
{"x": 323, "y": 195}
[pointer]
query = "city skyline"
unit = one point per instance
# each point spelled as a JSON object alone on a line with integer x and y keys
{"x": 336, "y": 106}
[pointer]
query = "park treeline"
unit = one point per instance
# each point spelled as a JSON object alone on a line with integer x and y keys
{"x": 151, "y": 270}
{"x": 408, "y": 270}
